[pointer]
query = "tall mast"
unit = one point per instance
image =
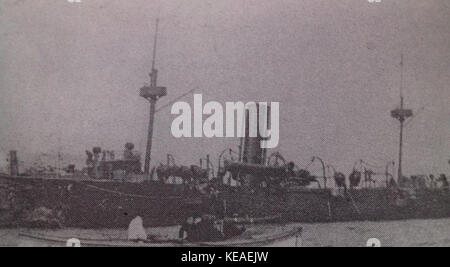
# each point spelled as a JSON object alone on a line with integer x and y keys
{"x": 401, "y": 79}
{"x": 154, "y": 51}
{"x": 152, "y": 93}
{"x": 402, "y": 115}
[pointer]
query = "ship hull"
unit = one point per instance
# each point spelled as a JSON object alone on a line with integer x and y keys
{"x": 319, "y": 205}
{"x": 92, "y": 204}
{"x": 39, "y": 202}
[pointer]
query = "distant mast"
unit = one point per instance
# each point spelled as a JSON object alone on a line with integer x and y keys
{"x": 152, "y": 93}
{"x": 402, "y": 115}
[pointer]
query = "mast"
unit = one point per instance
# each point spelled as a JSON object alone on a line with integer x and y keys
{"x": 400, "y": 150}
{"x": 401, "y": 114}
{"x": 154, "y": 48}
{"x": 152, "y": 93}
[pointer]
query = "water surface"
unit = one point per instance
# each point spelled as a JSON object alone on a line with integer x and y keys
{"x": 417, "y": 233}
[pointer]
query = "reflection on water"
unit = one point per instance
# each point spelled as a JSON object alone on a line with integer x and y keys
{"x": 420, "y": 233}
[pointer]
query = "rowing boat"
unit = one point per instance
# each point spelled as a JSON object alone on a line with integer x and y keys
{"x": 36, "y": 239}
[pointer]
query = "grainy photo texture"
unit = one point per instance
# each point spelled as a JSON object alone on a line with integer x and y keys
{"x": 224, "y": 123}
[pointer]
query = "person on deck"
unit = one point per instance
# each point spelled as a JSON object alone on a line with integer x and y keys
{"x": 200, "y": 229}
{"x": 136, "y": 230}
{"x": 186, "y": 228}
{"x": 205, "y": 229}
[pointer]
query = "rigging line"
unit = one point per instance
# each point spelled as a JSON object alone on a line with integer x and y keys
{"x": 417, "y": 114}
{"x": 354, "y": 204}
{"x": 401, "y": 76}
{"x": 173, "y": 101}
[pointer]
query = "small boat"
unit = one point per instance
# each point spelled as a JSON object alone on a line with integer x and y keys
{"x": 42, "y": 240}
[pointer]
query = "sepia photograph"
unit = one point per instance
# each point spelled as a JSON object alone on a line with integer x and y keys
{"x": 224, "y": 123}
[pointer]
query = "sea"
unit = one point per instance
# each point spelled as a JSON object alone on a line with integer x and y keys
{"x": 408, "y": 233}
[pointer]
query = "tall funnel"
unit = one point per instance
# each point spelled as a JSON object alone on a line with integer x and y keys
{"x": 252, "y": 152}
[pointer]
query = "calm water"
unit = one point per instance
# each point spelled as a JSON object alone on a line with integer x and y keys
{"x": 420, "y": 233}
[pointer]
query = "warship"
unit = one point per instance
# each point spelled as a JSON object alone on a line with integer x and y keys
{"x": 248, "y": 185}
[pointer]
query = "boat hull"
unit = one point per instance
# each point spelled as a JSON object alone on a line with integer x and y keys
{"x": 42, "y": 240}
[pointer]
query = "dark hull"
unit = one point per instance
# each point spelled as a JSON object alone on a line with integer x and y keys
{"x": 101, "y": 204}
{"x": 315, "y": 205}
{"x": 94, "y": 204}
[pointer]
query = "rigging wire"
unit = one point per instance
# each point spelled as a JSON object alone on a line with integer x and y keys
{"x": 173, "y": 101}
{"x": 419, "y": 111}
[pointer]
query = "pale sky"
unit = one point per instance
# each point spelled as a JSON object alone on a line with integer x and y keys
{"x": 70, "y": 74}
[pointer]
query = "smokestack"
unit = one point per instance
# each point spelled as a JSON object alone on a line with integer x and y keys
{"x": 252, "y": 151}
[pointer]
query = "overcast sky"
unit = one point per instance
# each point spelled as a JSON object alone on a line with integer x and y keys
{"x": 70, "y": 74}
